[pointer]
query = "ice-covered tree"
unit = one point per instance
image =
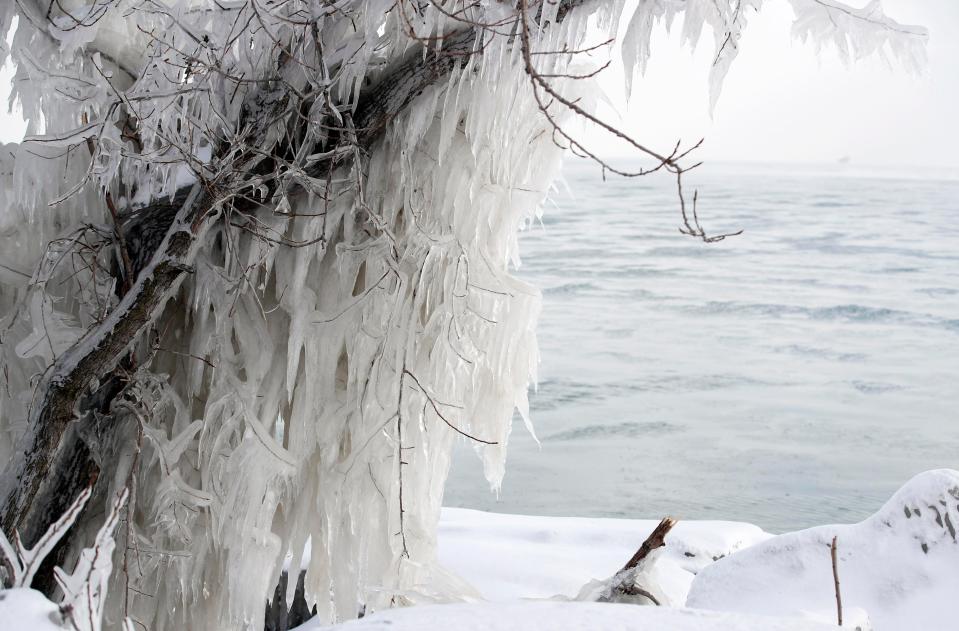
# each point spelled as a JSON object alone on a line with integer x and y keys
{"x": 255, "y": 269}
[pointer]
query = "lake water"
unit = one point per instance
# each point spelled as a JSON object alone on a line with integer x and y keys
{"x": 797, "y": 374}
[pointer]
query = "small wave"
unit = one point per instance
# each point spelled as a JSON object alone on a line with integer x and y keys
{"x": 874, "y": 387}
{"x": 938, "y": 291}
{"x": 847, "y": 312}
{"x": 553, "y": 394}
{"x": 860, "y": 313}
{"x": 715, "y": 307}
{"x": 688, "y": 251}
{"x": 828, "y": 203}
{"x": 556, "y": 394}
{"x": 643, "y": 271}
{"x": 569, "y": 288}
{"x": 899, "y": 270}
{"x": 838, "y": 247}
{"x": 697, "y": 383}
{"x": 821, "y": 353}
{"x": 629, "y": 429}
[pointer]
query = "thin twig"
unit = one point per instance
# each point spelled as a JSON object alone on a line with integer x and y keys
{"x": 835, "y": 580}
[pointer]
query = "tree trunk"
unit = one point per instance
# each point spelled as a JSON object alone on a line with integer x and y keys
{"x": 52, "y": 464}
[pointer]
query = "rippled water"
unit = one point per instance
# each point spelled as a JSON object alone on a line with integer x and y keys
{"x": 794, "y": 375}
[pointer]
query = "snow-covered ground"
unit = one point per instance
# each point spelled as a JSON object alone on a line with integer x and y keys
{"x": 511, "y": 557}
{"x": 564, "y": 616}
{"x": 899, "y": 571}
{"x": 27, "y": 610}
{"x": 901, "y": 566}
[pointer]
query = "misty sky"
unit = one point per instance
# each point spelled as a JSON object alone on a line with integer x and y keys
{"x": 782, "y": 102}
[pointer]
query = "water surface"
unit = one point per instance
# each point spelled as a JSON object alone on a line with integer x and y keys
{"x": 794, "y": 375}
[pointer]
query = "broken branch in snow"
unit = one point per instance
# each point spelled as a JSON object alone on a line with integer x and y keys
{"x": 835, "y": 580}
{"x": 624, "y": 583}
{"x": 656, "y": 539}
{"x": 628, "y": 582}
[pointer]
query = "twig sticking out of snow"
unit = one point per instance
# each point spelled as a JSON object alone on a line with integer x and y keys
{"x": 624, "y": 583}
{"x": 84, "y": 591}
{"x": 835, "y": 580}
{"x": 627, "y": 584}
{"x": 22, "y": 563}
{"x": 656, "y": 539}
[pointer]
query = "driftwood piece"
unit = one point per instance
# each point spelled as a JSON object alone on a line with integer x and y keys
{"x": 622, "y": 586}
{"x": 656, "y": 539}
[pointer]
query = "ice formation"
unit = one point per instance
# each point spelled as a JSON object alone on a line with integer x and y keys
{"x": 308, "y": 377}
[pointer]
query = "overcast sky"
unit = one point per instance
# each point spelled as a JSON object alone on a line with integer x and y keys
{"x": 782, "y": 102}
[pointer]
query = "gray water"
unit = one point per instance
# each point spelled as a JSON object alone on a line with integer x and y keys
{"x": 797, "y": 374}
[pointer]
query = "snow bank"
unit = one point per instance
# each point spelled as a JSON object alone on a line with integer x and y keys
{"x": 555, "y": 616}
{"x": 28, "y": 610}
{"x": 898, "y": 571}
{"x": 901, "y": 565}
{"x": 507, "y": 557}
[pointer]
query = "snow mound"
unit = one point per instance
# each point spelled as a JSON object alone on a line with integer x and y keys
{"x": 901, "y": 565}
{"x": 507, "y": 557}
{"x": 554, "y": 616}
{"x": 28, "y": 610}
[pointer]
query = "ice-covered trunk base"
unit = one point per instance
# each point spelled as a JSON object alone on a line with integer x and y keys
{"x": 315, "y": 392}
{"x": 280, "y": 615}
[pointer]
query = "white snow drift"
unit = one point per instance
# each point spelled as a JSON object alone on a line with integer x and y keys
{"x": 901, "y": 566}
{"x": 555, "y": 616}
{"x": 899, "y": 571}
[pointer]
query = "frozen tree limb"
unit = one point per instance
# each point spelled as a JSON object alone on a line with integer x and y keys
{"x": 39, "y": 474}
{"x": 85, "y": 589}
{"x": 22, "y": 564}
